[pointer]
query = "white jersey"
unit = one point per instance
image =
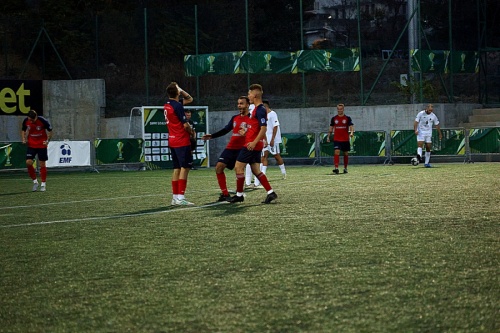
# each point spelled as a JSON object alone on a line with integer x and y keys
{"x": 272, "y": 122}
{"x": 425, "y": 122}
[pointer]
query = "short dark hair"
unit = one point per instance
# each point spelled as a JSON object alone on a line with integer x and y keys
{"x": 32, "y": 114}
{"x": 245, "y": 98}
{"x": 172, "y": 90}
{"x": 187, "y": 111}
{"x": 266, "y": 102}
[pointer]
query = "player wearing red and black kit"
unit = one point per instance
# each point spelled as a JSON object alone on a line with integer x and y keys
{"x": 179, "y": 133}
{"x": 342, "y": 128}
{"x": 227, "y": 158}
{"x": 254, "y": 143}
{"x": 36, "y": 132}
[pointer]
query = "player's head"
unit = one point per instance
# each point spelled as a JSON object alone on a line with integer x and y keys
{"x": 32, "y": 115}
{"x": 172, "y": 90}
{"x": 243, "y": 104}
{"x": 255, "y": 93}
{"x": 429, "y": 108}
{"x": 267, "y": 106}
{"x": 188, "y": 114}
{"x": 340, "y": 109}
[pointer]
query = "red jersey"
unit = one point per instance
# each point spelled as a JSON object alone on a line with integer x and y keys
{"x": 258, "y": 118}
{"x": 37, "y": 131}
{"x": 341, "y": 127}
{"x": 175, "y": 119}
{"x": 236, "y": 123}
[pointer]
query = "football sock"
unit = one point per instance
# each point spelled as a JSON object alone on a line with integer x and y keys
{"x": 263, "y": 180}
{"x": 263, "y": 168}
{"x": 336, "y": 159}
{"x": 31, "y": 172}
{"x": 43, "y": 173}
{"x": 282, "y": 168}
{"x": 221, "y": 179}
{"x": 240, "y": 183}
{"x": 248, "y": 175}
{"x": 419, "y": 151}
{"x": 427, "y": 157}
{"x": 346, "y": 161}
{"x": 182, "y": 186}
{"x": 175, "y": 188}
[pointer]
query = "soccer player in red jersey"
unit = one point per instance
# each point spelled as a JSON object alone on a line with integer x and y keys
{"x": 255, "y": 134}
{"x": 343, "y": 129}
{"x": 228, "y": 156}
{"x": 179, "y": 132}
{"x": 36, "y": 133}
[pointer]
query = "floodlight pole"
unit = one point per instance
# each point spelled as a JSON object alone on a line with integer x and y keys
{"x": 196, "y": 50}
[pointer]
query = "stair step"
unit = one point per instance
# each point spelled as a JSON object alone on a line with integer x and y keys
{"x": 481, "y": 124}
{"x": 484, "y": 118}
{"x": 490, "y": 111}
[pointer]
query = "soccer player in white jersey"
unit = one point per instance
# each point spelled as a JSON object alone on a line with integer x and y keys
{"x": 273, "y": 140}
{"x": 423, "y": 130}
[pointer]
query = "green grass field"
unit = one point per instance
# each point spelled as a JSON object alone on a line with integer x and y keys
{"x": 381, "y": 249}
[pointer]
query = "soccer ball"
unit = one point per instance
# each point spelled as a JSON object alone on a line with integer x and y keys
{"x": 414, "y": 161}
{"x": 65, "y": 149}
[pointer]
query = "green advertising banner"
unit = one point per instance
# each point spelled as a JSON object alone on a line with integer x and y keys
{"x": 364, "y": 143}
{"x": 442, "y": 61}
{"x": 404, "y": 143}
{"x": 12, "y": 155}
{"x": 485, "y": 140}
{"x": 155, "y": 134}
{"x": 262, "y": 62}
{"x": 110, "y": 151}
{"x": 267, "y": 62}
{"x": 298, "y": 145}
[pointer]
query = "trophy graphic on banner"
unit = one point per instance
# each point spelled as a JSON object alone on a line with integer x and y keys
{"x": 119, "y": 146}
{"x": 268, "y": 57}
{"x": 328, "y": 56}
{"x": 431, "y": 58}
{"x": 211, "y": 60}
{"x": 8, "y": 150}
{"x": 380, "y": 135}
{"x": 284, "y": 141}
{"x": 462, "y": 58}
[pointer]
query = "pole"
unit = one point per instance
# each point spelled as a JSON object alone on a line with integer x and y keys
{"x": 97, "y": 43}
{"x": 196, "y": 50}
{"x": 248, "y": 42}
{"x": 450, "y": 28}
{"x": 412, "y": 40}
{"x": 146, "y": 53}
{"x": 302, "y": 47}
{"x": 360, "y": 57}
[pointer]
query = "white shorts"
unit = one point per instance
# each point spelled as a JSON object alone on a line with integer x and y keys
{"x": 274, "y": 150}
{"x": 424, "y": 137}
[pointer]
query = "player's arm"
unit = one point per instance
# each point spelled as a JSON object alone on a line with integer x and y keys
{"x": 49, "y": 137}
{"x": 415, "y": 127}
{"x": 23, "y": 132}
{"x": 438, "y": 127}
{"x": 260, "y": 136}
{"x": 186, "y": 97}
{"x": 275, "y": 130}
{"x": 331, "y": 131}
{"x": 351, "y": 130}
{"x": 188, "y": 128}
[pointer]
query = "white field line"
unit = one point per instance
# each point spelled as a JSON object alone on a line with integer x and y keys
{"x": 96, "y": 218}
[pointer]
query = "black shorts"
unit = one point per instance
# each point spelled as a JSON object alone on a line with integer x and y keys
{"x": 249, "y": 156}
{"x": 228, "y": 157}
{"x": 42, "y": 153}
{"x": 342, "y": 145}
{"x": 182, "y": 157}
